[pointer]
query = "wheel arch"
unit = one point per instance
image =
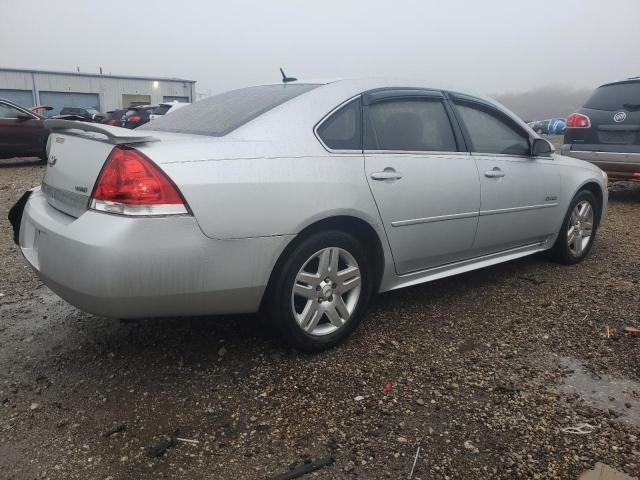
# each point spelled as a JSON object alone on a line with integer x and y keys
{"x": 360, "y": 228}
{"x": 595, "y": 188}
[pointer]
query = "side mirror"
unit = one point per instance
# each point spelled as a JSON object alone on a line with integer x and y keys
{"x": 541, "y": 147}
{"x": 23, "y": 116}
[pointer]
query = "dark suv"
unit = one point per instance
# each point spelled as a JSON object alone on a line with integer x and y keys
{"x": 87, "y": 114}
{"x": 136, "y": 116}
{"x": 606, "y": 130}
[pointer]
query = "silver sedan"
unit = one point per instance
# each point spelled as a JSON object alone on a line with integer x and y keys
{"x": 301, "y": 199}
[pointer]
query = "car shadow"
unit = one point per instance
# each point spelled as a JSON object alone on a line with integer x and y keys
{"x": 206, "y": 339}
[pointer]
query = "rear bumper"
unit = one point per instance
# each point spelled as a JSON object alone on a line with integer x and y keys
{"x": 616, "y": 164}
{"x": 124, "y": 267}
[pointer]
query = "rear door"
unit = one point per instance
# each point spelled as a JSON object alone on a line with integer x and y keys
{"x": 425, "y": 186}
{"x": 519, "y": 193}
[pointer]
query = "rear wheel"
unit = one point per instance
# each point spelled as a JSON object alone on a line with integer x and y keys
{"x": 319, "y": 293}
{"x": 578, "y": 229}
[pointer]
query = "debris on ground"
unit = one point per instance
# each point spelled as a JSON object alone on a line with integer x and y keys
{"x": 186, "y": 440}
{"x": 580, "y": 429}
{"x": 415, "y": 460}
{"x": 120, "y": 427}
{"x": 159, "y": 447}
{"x": 632, "y": 330}
{"x": 303, "y": 469}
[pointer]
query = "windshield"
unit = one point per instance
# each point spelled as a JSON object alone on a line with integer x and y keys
{"x": 615, "y": 97}
{"x": 223, "y": 113}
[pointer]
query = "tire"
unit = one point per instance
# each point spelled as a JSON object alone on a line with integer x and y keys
{"x": 539, "y": 131}
{"x": 312, "y": 318}
{"x": 570, "y": 252}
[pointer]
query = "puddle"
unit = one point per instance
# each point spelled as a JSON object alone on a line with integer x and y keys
{"x": 602, "y": 392}
{"x": 604, "y": 472}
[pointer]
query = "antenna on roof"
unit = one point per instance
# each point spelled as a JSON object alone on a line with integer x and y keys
{"x": 286, "y": 79}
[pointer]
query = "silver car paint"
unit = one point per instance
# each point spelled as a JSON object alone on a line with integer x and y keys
{"x": 255, "y": 189}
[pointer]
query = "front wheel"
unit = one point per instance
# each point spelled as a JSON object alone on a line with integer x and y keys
{"x": 578, "y": 229}
{"x": 319, "y": 293}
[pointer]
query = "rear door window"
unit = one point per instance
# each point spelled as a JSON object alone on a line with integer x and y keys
{"x": 492, "y": 132}
{"x": 223, "y": 113}
{"x": 408, "y": 124}
{"x": 343, "y": 129}
{"x": 617, "y": 96}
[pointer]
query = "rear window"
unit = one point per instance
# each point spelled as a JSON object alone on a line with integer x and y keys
{"x": 161, "y": 110}
{"x": 115, "y": 114}
{"x": 223, "y": 113}
{"x": 615, "y": 97}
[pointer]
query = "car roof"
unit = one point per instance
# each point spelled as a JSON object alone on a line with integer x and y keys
{"x": 316, "y": 103}
{"x": 621, "y": 82}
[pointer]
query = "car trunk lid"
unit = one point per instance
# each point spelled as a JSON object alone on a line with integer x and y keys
{"x": 76, "y": 153}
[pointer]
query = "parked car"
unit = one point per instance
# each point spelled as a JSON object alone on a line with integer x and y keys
{"x": 87, "y": 114}
{"x": 557, "y": 126}
{"x": 606, "y": 130}
{"x": 541, "y": 126}
{"x": 114, "y": 117}
{"x": 165, "y": 108}
{"x": 137, "y": 116}
{"x": 303, "y": 199}
{"x": 22, "y": 132}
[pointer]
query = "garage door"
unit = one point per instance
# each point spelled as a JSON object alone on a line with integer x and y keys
{"x": 21, "y": 97}
{"x": 59, "y": 100}
{"x": 170, "y": 98}
{"x": 135, "y": 100}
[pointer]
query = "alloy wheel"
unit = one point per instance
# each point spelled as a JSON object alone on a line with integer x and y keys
{"x": 580, "y": 228}
{"x": 326, "y": 291}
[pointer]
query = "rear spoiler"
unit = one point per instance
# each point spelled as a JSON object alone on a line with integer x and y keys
{"x": 115, "y": 135}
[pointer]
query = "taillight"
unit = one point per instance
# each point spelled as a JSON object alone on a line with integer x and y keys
{"x": 578, "y": 120}
{"x": 134, "y": 118}
{"x": 131, "y": 184}
{"x": 112, "y": 122}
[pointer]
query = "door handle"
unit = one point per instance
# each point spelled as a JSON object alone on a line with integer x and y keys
{"x": 387, "y": 174}
{"x": 495, "y": 173}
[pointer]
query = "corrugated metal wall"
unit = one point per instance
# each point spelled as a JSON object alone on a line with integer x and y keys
{"x": 109, "y": 89}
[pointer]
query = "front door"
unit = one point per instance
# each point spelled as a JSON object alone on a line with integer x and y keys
{"x": 20, "y": 136}
{"x": 519, "y": 193}
{"x": 426, "y": 190}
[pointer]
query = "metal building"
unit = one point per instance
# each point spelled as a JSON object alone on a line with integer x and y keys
{"x": 102, "y": 92}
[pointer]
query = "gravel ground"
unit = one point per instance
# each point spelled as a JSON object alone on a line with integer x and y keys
{"x": 481, "y": 369}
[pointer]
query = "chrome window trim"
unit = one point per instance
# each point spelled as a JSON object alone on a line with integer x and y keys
{"x": 415, "y": 153}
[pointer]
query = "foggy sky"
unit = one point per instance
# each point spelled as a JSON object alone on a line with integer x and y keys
{"x": 485, "y": 46}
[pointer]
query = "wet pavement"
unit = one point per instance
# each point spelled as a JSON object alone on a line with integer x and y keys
{"x": 484, "y": 372}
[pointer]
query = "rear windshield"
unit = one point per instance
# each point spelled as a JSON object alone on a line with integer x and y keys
{"x": 615, "y": 97}
{"x": 223, "y": 113}
{"x": 114, "y": 114}
{"x": 161, "y": 110}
